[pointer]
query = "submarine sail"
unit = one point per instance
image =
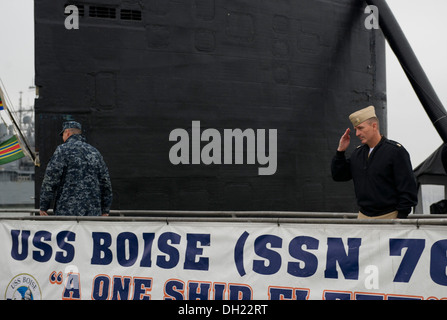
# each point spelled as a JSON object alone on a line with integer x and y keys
{"x": 209, "y": 104}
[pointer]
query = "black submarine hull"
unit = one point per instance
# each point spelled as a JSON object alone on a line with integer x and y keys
{"x": 135, "y": 71}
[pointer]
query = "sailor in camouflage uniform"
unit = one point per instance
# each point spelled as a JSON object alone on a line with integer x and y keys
{"x": 76, "y": 177}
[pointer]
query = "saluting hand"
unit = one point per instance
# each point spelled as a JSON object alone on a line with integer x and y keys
{"x": 345, "y": 140}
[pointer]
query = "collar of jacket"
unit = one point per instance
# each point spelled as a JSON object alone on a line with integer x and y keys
{"x": 75, "y": 137}
{"x": 366, "y": 147}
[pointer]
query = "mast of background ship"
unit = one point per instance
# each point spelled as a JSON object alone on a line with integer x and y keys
{"x": 411, "y": 66}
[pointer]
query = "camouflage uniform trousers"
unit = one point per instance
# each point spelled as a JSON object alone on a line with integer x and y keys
{"x": 77, "y": 179}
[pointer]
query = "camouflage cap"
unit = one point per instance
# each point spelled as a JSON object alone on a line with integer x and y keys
{"x": 70, "y": 125}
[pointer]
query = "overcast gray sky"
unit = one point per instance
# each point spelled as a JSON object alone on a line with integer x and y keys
{"x": 424, "y": 26}
{"x": 423, "y": 22}
{"x": 17, "y": 48}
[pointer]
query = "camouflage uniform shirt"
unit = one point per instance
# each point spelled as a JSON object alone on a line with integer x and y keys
{"x": 77, "y": 179}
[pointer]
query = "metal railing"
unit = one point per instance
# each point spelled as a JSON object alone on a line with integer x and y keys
{"x": 277, "y": 217}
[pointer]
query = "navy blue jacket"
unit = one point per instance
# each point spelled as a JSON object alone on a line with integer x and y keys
{"x": 77, "y": 179}
{"x": 383, "y": 182}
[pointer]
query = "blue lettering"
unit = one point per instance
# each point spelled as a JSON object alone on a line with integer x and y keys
{"x": 120, "y": 289}
{"x": 147, "y": 252}
{"x": 174, "y": 290}
{"x": 192, "y": 251}
{"x": 273, "y": 257}
{"x": 438, "y": 262}
{"x": 240, "y": 292}
{"x": 348, "y": 262}
{"x": 172, "y": 252}
{"x": 279, "y": 293}
{"x": 392, "y": 297}
{"x": 101, "y": 255}
{"x": 101, "y": 285}
{"x": 20, "y": 240}
{"x": 62, "y": 239}
{"x": 310, "y": 260}
{"x": 369, "y": 296}
{"x": 141, "y": 288}
{"x": 47, "y": 251}
{"x": 199, "y": 290}
{"x": 410, "y": 259}
{"x": 128, "y": 250}
{"x": 121, "y": 240}
{"x": 301, "y": 294}
{"x": 219, "y": 290}
{"x": 15, "y": 244}
{"x": 336, "y": 295}
{"x": 71, "y": 289}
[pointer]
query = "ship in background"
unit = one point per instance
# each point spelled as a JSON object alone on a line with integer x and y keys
{"x": 136, "y": 70}
{"x": 17, "y": 177}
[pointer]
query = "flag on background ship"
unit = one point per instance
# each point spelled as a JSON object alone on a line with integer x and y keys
{"x": 1, "y": 103}
{"x": 10, "y": 150}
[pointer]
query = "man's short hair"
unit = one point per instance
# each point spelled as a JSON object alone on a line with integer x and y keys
{"x": 372, "y": 120}
{"x": 74, "y": 130}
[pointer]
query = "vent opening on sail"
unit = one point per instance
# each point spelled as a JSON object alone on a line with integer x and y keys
{"x": 127, "y": 14}
{"x": 102, "y": 12}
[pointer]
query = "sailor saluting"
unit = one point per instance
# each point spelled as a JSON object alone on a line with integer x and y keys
{"x": 381, "y": 169}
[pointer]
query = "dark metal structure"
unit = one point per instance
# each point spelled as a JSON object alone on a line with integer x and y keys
{"x": 412, "y": 68}
{"x": 135, "y": 71}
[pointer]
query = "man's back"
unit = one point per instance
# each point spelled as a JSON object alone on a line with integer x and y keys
{"x": 77, "y": 178}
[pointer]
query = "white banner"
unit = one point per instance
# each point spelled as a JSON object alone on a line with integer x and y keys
{"x": 209, "y": 260}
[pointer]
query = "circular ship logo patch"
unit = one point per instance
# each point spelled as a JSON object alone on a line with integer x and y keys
{"x": 23, "y": 287}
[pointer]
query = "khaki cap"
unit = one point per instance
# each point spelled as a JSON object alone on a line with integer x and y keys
{"x": 362, "y": 115}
